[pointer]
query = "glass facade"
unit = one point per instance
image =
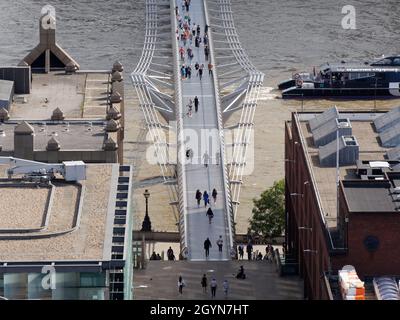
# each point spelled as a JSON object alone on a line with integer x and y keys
{"x": 60, "y": 286}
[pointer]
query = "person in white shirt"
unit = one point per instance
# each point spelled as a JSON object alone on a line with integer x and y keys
{"x": 225, "y": 285}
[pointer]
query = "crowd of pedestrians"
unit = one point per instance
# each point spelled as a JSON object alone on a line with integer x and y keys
{"x": 205, "y": 284}
{"x": 189, "y": 33}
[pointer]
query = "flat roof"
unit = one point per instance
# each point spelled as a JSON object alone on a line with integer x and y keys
{"x": 87, "y": 206}
{"x": 78, "y": 95}
{"x": 370, "y": 196}
{"x": 325, "y": 178}
{"x": 72, "y": 135}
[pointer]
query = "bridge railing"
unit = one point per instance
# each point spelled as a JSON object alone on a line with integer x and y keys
{"x": 254, "y": 80}
{"x": 180, "y": 138}
{"x": 140, "y": 81}
{"x": 229, "y": 215}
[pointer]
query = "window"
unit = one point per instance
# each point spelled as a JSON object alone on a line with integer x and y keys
{"x": 376, "y": 172}
{"x": 360, "y": 75}
{"x": 396, "y": 61}
{"x": 362, "y": 172}
{"x": 383, "y": 62}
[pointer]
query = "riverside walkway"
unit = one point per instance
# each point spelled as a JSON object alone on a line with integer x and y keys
{"x": 164, "y": 94}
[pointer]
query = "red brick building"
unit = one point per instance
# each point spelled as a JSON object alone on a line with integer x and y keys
{"x": 365, "y": 230}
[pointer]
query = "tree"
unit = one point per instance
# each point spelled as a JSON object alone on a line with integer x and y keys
{"x": 269, "y": 212}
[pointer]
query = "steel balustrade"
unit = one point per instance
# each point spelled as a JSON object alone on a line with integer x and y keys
{"x": 224, "y": 21}
{"x": 148, "y": 73}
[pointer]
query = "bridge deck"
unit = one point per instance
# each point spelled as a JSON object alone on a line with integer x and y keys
{"x": 197, "y": 175}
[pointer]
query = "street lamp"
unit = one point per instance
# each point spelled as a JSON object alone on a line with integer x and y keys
{"x": 146, "y": 225}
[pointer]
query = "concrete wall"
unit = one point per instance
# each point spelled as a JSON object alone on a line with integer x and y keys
{"x": 89, "y": 156}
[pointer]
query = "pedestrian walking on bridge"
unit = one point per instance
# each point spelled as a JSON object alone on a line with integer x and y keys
{"x": 206, "y": 52}
{"x": 181, "y": 284}
{"x": 206, "y": 198}
{"x": 225, "y": 285}
{"x": 207, "y": 246}
{"x": 182, "y": 53}
{"x": 201, "y": 71}
{"x": 204, "y": 283}
{"x": 220, "y": 243}
{"x": 210, "y": 69}
{"x": 206, "y": 158}
{"x": 213, "y": 286}
{"x": 214, "y": 195}
{"x": 196, "y": 104}
{"x": 210, "y": 215}
{"x": 198, "y": 197}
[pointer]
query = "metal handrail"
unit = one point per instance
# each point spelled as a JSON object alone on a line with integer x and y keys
{"x": 227, "y": 192}
{"x": 255, "y": 80}
{"x": 140, "y": 81}
{"x": 180, "y": 138}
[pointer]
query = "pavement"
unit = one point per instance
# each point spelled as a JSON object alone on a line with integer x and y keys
{"x": 159, "y": 281}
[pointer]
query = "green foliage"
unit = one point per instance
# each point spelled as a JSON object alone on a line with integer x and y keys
{"x": 269, "y": 212}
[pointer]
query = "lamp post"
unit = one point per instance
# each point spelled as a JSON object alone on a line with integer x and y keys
{"x": 146, "y": 225}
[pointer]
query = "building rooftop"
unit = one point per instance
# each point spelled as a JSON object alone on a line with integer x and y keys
{"x": 325, "y": 177}
{"x": 370, "y": 196}
{"x": 78, "y": 95}
{"x": 67, "y": 222}
{"x": 71, "y": 135}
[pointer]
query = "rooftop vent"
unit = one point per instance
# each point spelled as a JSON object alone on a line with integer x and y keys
{"x": 116, "y": 97}
{"x": 117, "y": 67}
{"x": 24, "y": 128}
{"x": 53, "y": 145}
{"x": 348, "y": 152}
{"x": 113, "y": 126}
{"x": 117, "y": 76}
{"x": 323, "y": 118}
{"x": 390, "y": 138}
{"x": 57, "y": 115}
{"x": 387, "y": 120}
{"x": 113, "y": 113}
{"x": 328, "y": 131}
{"x": 110, "y": 145}
{"x": 393, "y": 154}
